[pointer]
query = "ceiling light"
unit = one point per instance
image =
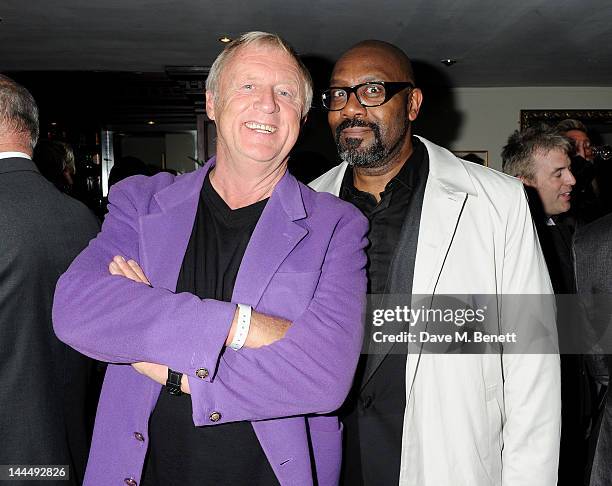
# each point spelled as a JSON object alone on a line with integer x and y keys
{"x": 53, "y": 124}
{"x": 150, "y": 122}
{"x": 225, "y": 39}
{"x": 448, "y": 62}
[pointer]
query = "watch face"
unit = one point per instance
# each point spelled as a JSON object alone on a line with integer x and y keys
{"x": 173, "y": 383}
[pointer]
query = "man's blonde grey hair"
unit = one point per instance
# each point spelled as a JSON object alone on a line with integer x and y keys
{"x": 518, "y": 154}
{"x": 259, "y": 39}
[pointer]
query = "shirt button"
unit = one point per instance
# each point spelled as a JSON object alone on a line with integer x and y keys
{"x": 130, "y": 482}
{"x": 202, "y": 373}
{"x": 215, "y": 417}
{"x": 139, "y": 436}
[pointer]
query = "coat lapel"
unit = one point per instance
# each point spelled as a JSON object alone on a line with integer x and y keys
{"x": 446, "y": 193}
{"x": 165, "y": 234}
{"x": 275, "y": 236}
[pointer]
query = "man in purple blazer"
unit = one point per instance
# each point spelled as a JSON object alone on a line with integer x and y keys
{"x": 236, "y": 287}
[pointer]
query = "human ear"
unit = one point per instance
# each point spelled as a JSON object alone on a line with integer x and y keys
{"x": 210, "y": 104}
{"x": 414, "y": 103}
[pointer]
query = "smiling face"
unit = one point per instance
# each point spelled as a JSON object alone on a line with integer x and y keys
{"x": 258, "y": 109}
{"x": 378, "y": 136}
{"x": 553, "y": 180}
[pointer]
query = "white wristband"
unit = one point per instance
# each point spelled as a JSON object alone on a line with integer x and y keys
{"x": 242, "y": 327}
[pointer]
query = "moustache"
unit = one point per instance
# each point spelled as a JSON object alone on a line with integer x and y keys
{"x": 356, "y": 122}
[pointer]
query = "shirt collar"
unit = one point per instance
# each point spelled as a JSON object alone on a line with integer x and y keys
{"x": 10, "y": 155}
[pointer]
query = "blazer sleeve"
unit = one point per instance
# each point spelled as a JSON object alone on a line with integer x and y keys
{"x": 116, "y": 320}
{"x": 532, "y": 388}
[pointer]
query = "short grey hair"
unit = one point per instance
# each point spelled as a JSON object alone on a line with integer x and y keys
{"x": 571, "y": 124}
{"x": 18, "y": 110}
{"x": 259, "y": 39}
{"x": 523, "y": 145}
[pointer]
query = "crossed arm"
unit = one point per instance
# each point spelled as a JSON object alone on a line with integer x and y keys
{"x": 122, "y": 321}
{"x": 264, "y": 329}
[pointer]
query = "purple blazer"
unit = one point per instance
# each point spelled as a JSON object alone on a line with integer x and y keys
{"x": 305, "y": 262}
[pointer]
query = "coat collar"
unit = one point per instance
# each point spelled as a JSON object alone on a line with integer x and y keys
{"x": 447, "y": 171}
{"x": 444, "y": 170}
{"x": 189, "y": 185}
{"x": 165, "y": 234}
{"x": 17, "y": 164}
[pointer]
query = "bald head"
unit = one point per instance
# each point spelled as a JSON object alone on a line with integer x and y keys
{"x": 374, "y": 137}
{"x": 377, "y": 49}
{"x": 18, "y": 117}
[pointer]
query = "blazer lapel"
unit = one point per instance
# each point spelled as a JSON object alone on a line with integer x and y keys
{"x": 446, "y": 194}
{"x": 165, "y": 235}
{"x": 275, "y": 236}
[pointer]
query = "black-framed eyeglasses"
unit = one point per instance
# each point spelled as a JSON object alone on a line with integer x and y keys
{"x": 370, "y": 94}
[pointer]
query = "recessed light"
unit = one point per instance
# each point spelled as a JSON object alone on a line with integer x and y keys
{"x": 150, "y": 122}
{"x": 225, "y": 39}
{"x": 53, "y": 124}
{"x": 448, "y": 62}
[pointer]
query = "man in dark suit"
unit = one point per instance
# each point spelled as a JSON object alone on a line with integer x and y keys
{"x": 593, "y": 254}
{"x": 540, "y": 157}
{"x": 44, "y": 383}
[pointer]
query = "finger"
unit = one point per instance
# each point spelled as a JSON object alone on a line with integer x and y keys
{"x": 114, "y": 269}
{"x": 138, "y": 271}
{"x": 124, "y": 270}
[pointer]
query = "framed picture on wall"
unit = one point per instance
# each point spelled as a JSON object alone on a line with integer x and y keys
{"x": 598, "y": 122}
{"x": 478, "y": 156}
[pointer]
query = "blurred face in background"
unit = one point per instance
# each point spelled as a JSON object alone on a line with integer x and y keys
{"x": 582, "y": 143}
{"x": 553, "y": 181}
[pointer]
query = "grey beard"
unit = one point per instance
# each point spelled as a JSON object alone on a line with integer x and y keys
{"x": 371, "y": 157}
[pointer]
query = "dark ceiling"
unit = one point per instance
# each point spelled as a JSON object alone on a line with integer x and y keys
{"x": 496, "y": 42}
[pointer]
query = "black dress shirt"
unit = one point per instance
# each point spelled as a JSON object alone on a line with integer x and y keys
{"x": 387, "y": 216}
{"x": 376, "y": 409}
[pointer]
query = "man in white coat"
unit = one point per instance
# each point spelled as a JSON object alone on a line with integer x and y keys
{"x": 438, "y": 225}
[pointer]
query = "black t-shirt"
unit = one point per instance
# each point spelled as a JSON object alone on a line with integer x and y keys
{"x": 226, "y": 454}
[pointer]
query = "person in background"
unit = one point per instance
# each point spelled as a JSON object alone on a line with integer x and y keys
{"x": 540, "y": 157}
{"x": 593, "y": 254}
{"x": 46, "y": 395}
{"x": 55, "y": 161}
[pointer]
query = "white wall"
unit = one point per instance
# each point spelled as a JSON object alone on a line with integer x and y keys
{"x": 490, "y": 115}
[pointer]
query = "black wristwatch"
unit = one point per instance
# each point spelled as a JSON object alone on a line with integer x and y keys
{"x": 173, "y": 383}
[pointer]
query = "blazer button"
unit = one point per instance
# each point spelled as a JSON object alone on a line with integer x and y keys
{"x": 215, "y": 417}
{"x": 130, "y": 482}
{"x": 202, "y": 373}
{"x": 139, "y": 436}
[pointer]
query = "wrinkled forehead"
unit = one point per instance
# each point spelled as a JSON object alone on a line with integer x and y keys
{"x": 261, "y": 59}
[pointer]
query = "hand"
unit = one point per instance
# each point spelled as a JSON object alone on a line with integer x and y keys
{"x": 158, "y": 373}
{"x": 264, "y": 330}
{"x": 128, "y": 269}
